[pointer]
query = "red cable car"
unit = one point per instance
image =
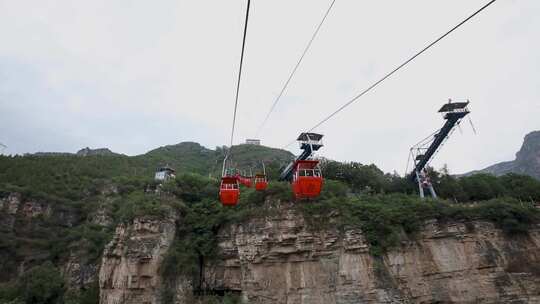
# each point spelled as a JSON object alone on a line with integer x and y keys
{"x": 246, "y": 181}
{"x": 307, "y": 179}
{"x": 229, "y": 191}
{"x": 260, "y": 182}
{"x": 242, "y": 179}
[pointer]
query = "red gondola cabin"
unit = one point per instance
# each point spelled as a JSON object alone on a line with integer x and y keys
{"x": 246, "y": 181}
{"x": 260, "y": 182}
{"x": 307, "y": 179}
{"x": 229, "y": 191}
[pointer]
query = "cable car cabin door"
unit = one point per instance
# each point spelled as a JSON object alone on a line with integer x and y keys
{"x": 307, "y": 179}
{"x": 229, "y": 191}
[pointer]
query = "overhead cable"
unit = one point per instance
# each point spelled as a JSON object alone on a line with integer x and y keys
{"x": 237, "y": 87}
{"x": 295, "y": 69}
{"x": 240, "y": 73}
{"x": 355, "y": 98}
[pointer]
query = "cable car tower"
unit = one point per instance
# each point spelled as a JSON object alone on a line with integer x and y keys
{"x": 304, "y": 172}
{"x": 423, "y": 152}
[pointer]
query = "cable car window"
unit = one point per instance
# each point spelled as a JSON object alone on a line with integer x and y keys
{"x": 302, "y": 172}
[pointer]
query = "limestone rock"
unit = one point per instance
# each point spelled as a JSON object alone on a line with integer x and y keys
{"x": 32, "y": 209}
{"x": 129, "y": 271}
{"x": 91, "y": 152}
{"x": 9, "y": 206}
{"x": 78, "y": 273}
{"x": 527, "y": 161}
{"x": 280, "y": 260}
{"x": 12, "y": 203}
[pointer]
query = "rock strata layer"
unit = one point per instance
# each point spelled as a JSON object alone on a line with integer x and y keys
{"x": 280, "y": 259}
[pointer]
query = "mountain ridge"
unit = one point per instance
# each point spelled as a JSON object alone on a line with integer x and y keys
{"x": 527, "y": 161}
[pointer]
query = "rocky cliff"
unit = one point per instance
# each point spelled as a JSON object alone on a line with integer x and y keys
{"x": 129, "y": 271}
{"x": 100, "y": 151}
{"x": 82, "y": 152}
{"x": 279, "y": 258}
{"x": 527, "y": 160}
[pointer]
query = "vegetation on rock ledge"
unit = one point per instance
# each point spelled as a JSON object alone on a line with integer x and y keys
{"x": 88, "y": 196}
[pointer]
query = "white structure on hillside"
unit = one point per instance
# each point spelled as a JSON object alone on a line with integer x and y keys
{"x": 256, "y": 142}
{"x": 164, "y": 174}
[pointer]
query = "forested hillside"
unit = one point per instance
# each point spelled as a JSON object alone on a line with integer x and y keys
{"x": 57, "y": 212}
{"x": 74, "y": 176}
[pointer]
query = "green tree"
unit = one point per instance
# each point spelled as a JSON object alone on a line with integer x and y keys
{"x": 42, "y": 285}
{"x": 522, "y": 187}
{"x": 482, "y": 187}
{"x": 359, "y": 177}
{"x": 448, "y": 186}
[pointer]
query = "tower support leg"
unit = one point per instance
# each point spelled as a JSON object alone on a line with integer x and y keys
{"x": 420, "y": 188}
{"x": 425, "y": 183}
{"x": 432, "y": 190}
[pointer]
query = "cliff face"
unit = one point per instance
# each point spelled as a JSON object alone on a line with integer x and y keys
{"x": 24, "y": 238}
{"x": 527, "y": 160}
{"x": 129, "y": 271}
{"x": 281, "y": 259}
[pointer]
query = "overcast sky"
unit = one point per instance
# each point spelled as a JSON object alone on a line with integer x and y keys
{"x": 136, "y": 75}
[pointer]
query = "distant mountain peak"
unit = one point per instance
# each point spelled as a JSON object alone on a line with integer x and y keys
{"x": 527, "y": 160}
{"x": 90, "y": 152}
{"x": 530, "y": 150}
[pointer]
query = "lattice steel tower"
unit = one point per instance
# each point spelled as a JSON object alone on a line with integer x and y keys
{"x": 423, "y": 152}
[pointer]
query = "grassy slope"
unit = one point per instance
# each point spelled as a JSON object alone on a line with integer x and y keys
{"x": 72, "y": 177}
{"x": 72, "y": 186}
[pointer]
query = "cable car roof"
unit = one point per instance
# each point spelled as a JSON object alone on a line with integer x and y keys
{"x": 229, "y": 179}
{"x": 306, "y": 164}
{"x": 165, "y": 168}
{"x": 310, "y": 136}
{"x": 451, "y": 106}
